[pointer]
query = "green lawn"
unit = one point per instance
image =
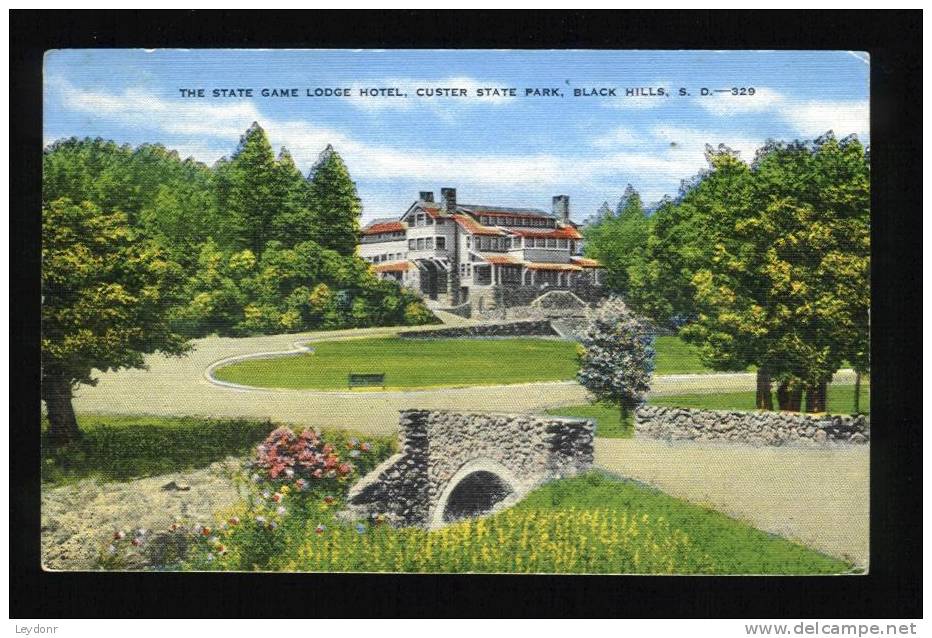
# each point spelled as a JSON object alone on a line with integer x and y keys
{"x": 840, "y": 400}
{"x": 675, "y": 356}
{"x": 414, "y": 363}
{"x": 590, "y": 524}
{"x": 608, "y": 418}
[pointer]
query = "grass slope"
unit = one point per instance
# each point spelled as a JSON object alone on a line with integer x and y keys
{"x": 589, "y": 524}
{"x": 413, "y": 363}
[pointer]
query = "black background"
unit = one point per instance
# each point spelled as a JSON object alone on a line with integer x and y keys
{"x": 892, "y": 589}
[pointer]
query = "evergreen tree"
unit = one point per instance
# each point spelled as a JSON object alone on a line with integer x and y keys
{"x": 294, "y": 221}
{"x": 619, "y": 241}
{"x": 250, "y": 195}
{"x": 335, "y": 203}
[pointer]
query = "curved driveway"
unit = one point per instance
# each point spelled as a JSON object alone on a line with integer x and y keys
{"x": 182, "y": 386}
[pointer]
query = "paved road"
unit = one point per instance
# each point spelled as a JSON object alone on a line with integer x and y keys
{"x": 817, "y": 496}
{"x": 180, "y": 386}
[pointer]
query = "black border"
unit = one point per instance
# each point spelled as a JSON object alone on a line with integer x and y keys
{"x": 893, "y": 587}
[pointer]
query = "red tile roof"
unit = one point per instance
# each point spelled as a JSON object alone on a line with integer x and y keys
{"x": 384, "y": 227}
{"x": 474, "y": 227}
{"x": 394, "y": 266}
{"x": 502, "y": 259}
{"x": 585, "y": 262}
{"x": 548, "y": 266}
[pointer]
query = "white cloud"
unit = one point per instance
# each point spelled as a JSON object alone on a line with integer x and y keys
{"x": 808, "y": 118}
{"x": 844, "y": 117}
{"x": 620, "y": 136}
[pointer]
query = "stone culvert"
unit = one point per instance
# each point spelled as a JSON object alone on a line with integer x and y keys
{"x": 455, "y": 465}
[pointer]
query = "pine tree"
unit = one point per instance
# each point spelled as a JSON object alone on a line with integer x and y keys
{"x": 294, "y": 222}
{"x": 250, "y": 197}
{"x": 335, "y": 203}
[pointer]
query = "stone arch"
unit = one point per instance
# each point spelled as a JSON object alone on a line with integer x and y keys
{"x": 497, "y": 484}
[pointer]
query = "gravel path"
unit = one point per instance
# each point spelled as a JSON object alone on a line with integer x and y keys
{"x": 817, "y": 496}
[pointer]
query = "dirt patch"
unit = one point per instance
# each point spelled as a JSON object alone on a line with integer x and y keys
{"x": 78, "y": 520}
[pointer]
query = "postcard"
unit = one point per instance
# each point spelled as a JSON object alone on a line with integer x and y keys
{"x": 456, "y": 311}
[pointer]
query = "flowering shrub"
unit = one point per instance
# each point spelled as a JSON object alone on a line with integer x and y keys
{"x": 616, "y": 356}
{"x": 295, "y": 483}
{"x": 287, "y": 456}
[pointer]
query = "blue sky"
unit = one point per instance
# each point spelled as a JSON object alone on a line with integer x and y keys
{"x": 516, "y": 151}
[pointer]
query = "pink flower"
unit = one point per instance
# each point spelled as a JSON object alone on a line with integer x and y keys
{"x": 119, "y": 535}
{"x": 277, "y": 497}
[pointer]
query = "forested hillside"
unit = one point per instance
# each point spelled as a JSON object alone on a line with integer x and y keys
{"x": 259, "y": 247}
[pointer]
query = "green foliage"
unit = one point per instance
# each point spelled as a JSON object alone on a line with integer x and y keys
{"x": 589, "y": 524}
{"x": 243, "y": 234}
{"x": 768, "y": 264}
{"x": 105, "y": 292}
{"x": 616, "y": 356}
{"x": 336, "y": 203}
{"x": 618, "y": 241}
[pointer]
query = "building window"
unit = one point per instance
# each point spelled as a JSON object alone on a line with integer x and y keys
{"x": 412, "y": 245}
{"x": 420, "y": 243}
{"x": 419, "y": 219}
{"x": 439, "y": 222}
{"x": 468, "y": 241}
{"x": 551, "y": 243}
{"x": 441, "y": 243}
{"x": 428, "y": 243}
{"x": 462, "y": 270}
{"x": 509, "y": 221}
{"x": 563, "y": 243}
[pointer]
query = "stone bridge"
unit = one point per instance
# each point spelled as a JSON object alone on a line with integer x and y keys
{"x": 455, "y": 465}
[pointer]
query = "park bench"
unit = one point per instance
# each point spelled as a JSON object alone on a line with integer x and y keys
{"x": 362, "y": 380}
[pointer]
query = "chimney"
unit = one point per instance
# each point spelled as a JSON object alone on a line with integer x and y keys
{"x": 561, "y": 207}
{"x": 426, "y": 196}
{"x": 448, "y": 197}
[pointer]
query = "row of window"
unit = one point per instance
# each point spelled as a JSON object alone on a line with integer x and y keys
{"x": 507, "y": 243}
{"x": 378, "y": 259}
{"x": 532, "y": 222}
{"x": 427, "y": 243}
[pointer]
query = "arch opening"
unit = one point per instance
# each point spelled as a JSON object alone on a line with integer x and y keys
{"x": 475, "y": 495}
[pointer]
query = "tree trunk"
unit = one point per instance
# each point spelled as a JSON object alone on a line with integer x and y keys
{"x": 764, "y": 394}
{"x": 783, "y": 396}
{"x": 857, "y": 392}
{"x": 815, "y": 397}
{"x": 63, "y": 426}
{"x": 789, "y": 396}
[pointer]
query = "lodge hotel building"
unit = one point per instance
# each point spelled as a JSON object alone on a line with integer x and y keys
{"x": 456, "y": 253}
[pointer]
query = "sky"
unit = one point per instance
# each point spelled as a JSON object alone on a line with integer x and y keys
{"x": 495, "y": 150}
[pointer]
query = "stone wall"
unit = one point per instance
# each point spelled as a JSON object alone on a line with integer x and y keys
{"x": 755, "y": 428}
{"x": 440, "y": 448}
{"x": 535, "y": 328}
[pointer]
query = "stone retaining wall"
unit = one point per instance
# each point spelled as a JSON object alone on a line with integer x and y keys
{"x": 440, "y": 448}
{"x": 535, "y": 328}
{"x": 755, "y": 428}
